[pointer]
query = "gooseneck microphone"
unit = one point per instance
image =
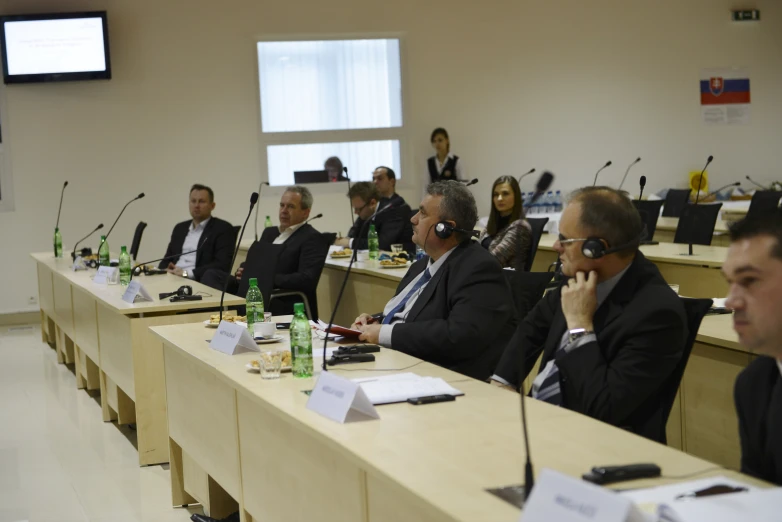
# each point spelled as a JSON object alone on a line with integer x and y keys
{"x": 526, "y": 174}
{"x": 697, "y": 197}
{"x": 751, "y": 181}
{"x": 608, "y": 164}
{"x": 260, "y": 188}
{"x": 136, "y": 271}
{"x": 642, "y": 182}
{"x": 313, "y": 218}
{"x": 73, "y": 254}
{"x": 253, "y": 201}
{"x": 628, "y": 170}
{"x": 735, "y": 184}
{"x": 62, "y": 193}
{"x": 350, "y": 203}
{"x": 345, "y": 279}
{"x": 473, "y": 181}
{"x": 543, "y": 184}
{"x": 123, "y": 210}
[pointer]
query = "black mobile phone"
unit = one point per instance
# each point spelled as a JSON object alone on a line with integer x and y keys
{"x": 176, "y": 298}
{"x": 431, "y": 399}
{"x": 610, "y": 474}
{"x": 283, "y": 326}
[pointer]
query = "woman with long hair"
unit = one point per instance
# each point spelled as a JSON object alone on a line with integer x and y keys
{"x": 443, "y": 165}
{"x": 508, "y": 235}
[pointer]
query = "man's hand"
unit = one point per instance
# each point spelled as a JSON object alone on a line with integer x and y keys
{"x": 175, "y": 270}
{"x": 579, "y": 300}
{"x": 370, "y": 333}
{"x": 171, "y": 265}
{"x": 342, "y": 242}
{"x": 362, "y": 320}
{"x": 239, "y": 273}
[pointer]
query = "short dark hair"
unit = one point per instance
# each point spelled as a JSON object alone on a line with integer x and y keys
{"x": 518, "y": 204}
{"x": 439, "y": 131}
{"x": 457, "y": 204}
{"x": 333, "y": 163}
{"x": 390, "y": 174}
{"x": 198, "y": 186}
{"x": 767, "y": 224}
{"x": 306, "y": 196}
{"x": 609, "y": 214}
{"x": 365, "y": 190}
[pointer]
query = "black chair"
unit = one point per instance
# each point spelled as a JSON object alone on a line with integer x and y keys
{"x": 695, "y": 309}
{"x": 650, "y": 213}
{"x": 134, "y": 246}
{"x": 763, "y": 202}
{"x": 329, "y": 237}
{"x": 261, "y": 264}
{"x": 675, "y": 201}
{"x": 526, "y": 289}
{"x": 237, "y": 229}
{"x": 537, "y": 225}
{"x": 696, "y": 224}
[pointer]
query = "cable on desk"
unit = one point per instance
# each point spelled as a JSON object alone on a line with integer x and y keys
{"x": 376, "y": 369}
{"x": 695, "y": 474}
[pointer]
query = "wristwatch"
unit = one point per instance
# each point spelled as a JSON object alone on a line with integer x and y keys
{"x": 577, "y": 333}
{"x": 184, "y": 274}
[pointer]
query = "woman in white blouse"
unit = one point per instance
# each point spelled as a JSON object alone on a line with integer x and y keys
{"x": 443, "y": 165}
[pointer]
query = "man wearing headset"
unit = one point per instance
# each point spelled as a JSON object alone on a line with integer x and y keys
{"x": 453, "y": 308}
{"x": 611, "y": 336}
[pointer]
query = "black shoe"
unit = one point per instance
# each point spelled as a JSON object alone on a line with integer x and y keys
{"x": 202, "y": 518}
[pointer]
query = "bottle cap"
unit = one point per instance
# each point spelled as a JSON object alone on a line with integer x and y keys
{"x": 56, "y": 229}
{"x": 298, "y": 308}
{"x": 103, "y": 238}
{"x": 123, "y": 249}
{"x": 253, "y": 281}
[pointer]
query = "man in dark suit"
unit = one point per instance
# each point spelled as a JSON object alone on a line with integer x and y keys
{"x": 213, "y": 237}
{"x": 754, "y": 270}
{"x": 453, "y": 308}
{"x": 384, "y": 179}
{"x": 611, "y": 336}
{"x": 393, "y": 225}
{"x": 302, "y": 253}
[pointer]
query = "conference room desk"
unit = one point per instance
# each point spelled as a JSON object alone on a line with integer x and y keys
{"x": 697, "y": 275}
{"x": 666, "y": 230}
{"x": 241, "y": 442}
{"x": 108, "y": 342}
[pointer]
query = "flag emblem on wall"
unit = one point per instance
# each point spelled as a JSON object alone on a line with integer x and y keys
{"x": 724, "y": 91}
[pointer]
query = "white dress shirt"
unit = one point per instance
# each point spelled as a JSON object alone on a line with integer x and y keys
{"x": 385, "y": 330}
{"x": 194, "y": 233}
{"x": 459, "y": 174}
{"x": 779, "y": 363}
{"x": 288, "y": 232}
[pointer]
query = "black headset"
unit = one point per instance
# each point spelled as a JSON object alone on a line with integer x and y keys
{"x": 182, "y": 290}
{"x": 444, "y": 230}
{"x": 595, "y": 247}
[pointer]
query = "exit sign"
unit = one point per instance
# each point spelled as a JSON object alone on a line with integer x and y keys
{"x": 750, "y": 15}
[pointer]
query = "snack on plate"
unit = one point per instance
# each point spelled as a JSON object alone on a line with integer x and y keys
{"x": 394, "y": 261}
{"x": 345, "y": 252}
{"x": 286, "y": 359}
{"x": 215, "y": 318}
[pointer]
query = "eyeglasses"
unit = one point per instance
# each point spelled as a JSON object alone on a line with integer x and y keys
{"x": 564, "y": 241}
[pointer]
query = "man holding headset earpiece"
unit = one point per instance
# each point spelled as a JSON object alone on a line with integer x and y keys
{"x": 453, "y": 307}
{"x": 612, "y": 336}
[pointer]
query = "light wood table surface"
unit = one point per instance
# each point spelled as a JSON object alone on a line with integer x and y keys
{"x": 108, "y": 341}
{"x": 238, "y": 441}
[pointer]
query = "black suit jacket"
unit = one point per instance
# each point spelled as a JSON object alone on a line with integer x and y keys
{"x": 463, "y": 317}
{"x": 641, "y": 330}
{"x": 216, "y": 246}
{"x": 393, "y": 227}
{"x": 300, "y": 261}
{"x": 758, "y": 395}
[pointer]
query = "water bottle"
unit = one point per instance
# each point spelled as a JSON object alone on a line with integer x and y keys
{"x": 104, "y": 257}
{"x": 548, "y": 203}
{"x": 124, "y": 266}
{"x": 374, "y": 246}
{"x": 254, "y": 302}
{"x": 558, "y": 201}
{"x": 268, "y": 222}
{"x": 301, "y": 343}
{"x": 419, "y": 253}
{"x": 57, "y": 243}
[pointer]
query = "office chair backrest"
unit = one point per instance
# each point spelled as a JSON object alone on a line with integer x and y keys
{"x": 763, "y": 202}
{"x": 136, "y": 244}
{"x": 237, "y": 229}
{"x": 650, "y": 213}
{"x": 695, "y": 309}
{"x": 261, "y": 264}
{"x": 526, "y": 289}
{"x": 675, "y": 201}
{"x": 696, "y": 224}
{"x": 329, "y": 237}
{"x": 537, "y": 225}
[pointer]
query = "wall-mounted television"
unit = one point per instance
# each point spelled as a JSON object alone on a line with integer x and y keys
{"x": 55, "y": 47}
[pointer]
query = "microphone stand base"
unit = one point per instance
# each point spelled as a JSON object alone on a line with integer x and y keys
{"x": 514, "y": 495}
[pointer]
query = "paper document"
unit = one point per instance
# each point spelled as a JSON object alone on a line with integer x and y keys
{"x": 667, "y": 494}
{"x": 398, "y": 388}
{"x": 718, "y": 303}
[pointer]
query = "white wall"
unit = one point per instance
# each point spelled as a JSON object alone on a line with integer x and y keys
{"x": 561, "y": 84}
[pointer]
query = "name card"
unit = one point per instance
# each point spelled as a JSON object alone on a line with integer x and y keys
{"x": 232, "y": 338}
{"x": 136, "y": 289}
{"x": 78, "y": 264}
{"x": 340, "y": 399}
{"x": 105, "y": 275}
{"x": 565, "y": 499}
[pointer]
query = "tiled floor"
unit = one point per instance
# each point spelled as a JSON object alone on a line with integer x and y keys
{"x": 59, "y": 462}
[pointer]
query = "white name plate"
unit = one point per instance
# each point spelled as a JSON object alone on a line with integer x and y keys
{"x": 232, "y": 338}
{"x": 340, "y": 399}
{"x": 105, "y": 275}
{"x": 565, "y": 499}
{"x": 136, "y": 289}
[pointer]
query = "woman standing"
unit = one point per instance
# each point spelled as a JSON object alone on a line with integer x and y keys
{"x": 507, "y": 236}
{"x": 443, "y": 165}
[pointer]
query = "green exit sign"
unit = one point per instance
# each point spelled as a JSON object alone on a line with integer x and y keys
{"x": 750, "y": 15}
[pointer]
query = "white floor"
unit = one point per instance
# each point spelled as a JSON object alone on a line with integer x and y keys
{"x": 59, "y": 462}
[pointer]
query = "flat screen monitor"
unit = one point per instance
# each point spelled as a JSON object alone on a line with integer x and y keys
{"x": 55, "y": 47}
{"x": 311, "y": 176}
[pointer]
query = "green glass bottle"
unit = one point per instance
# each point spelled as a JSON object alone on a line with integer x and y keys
{"x": 57, "y": 243}
{"x": 254, "y": 302}
{"x": 301, "y": 343}
{"x": 374, "y": 246}
{"x": 268, "y": 222}
{"x": 124, "y": 267}
{"x": 104, "y": 257}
